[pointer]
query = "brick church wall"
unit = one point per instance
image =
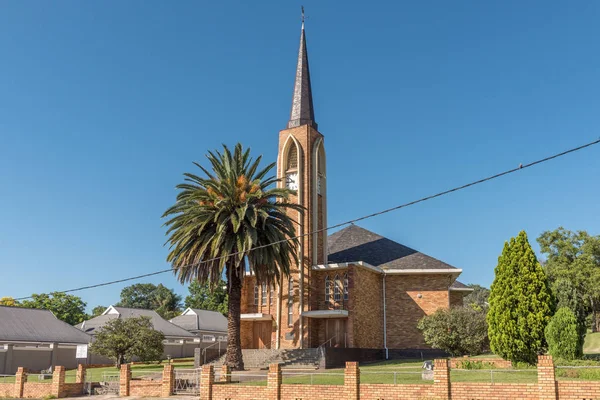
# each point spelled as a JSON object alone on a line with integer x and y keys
{"x": 405, "y": 308}
{"x": 456, "y": 298}
{"x": 365, "y": 321}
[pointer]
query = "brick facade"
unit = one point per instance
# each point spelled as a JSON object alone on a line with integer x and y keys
{"x": 408, "y": 299}
{"x": 456, "y": 298}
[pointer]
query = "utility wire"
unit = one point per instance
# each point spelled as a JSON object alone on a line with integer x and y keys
{"x": 352, "y": 221}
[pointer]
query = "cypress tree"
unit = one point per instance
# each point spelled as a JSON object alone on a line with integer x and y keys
{"x": 521, "y": 303}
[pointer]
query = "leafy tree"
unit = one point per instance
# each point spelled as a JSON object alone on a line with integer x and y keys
{"x": 98, "y": 310}
{"x": 563, "y": 337}
{"x": 66, "y": 307}
{"x": 201, "y": 296}
{"x": 151, "y": 297}
{"x": 228, "y": 222}
{"x": 121, "y": 339}
{"x": 567, "y": 295}
{"x": 521, "y": 303}
{"x": 478, "y": 298}
{"x": 575, "y": 257}
{"x": 458, "y": 331}
{"x": 9, "y": 302}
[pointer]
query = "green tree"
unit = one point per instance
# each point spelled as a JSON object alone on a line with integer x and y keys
{"x": 567, "y": 295}
{"x": 575, "y": 257}
{"x": 458, "y": 331}
{"x": 121, "y": 339}
{"x": 478, "y": 298}
{"x": 9, "y": 302}
{"x": 151, "y": 297}
{"x": 229, "y": 222}
{"x": 66, "y": 307}
{"x": 563, "y": 337}
{"x": 521, "y": 303}
{"x": 98, "y": 310}
{"x": 202, "y": 297}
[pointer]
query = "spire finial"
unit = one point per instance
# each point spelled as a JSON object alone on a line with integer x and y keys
{"x": 302, "y": 103}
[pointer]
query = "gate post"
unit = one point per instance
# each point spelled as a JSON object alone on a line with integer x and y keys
{"x": 352, "y": 380}
{"x": 441, "y": 379}
{"x": 125, "y": 378}
{"x": 20, "y": 380}
{"x": 58, "y": 382}
{"x": 274, "y": 382}
{"x": 225, "y": 374}
{"x": 207, "y": 378}
{"x": 168, "y": 380}
{"x": 80, "y": 377}
{"x": 546, "y": 378}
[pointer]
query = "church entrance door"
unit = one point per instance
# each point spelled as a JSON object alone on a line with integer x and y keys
{"x": 335, "y": 330}
{"x": 262, "y": 334}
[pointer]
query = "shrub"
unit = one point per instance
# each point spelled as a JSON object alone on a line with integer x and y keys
{"x": 521, "y": 304}
{"x": 458, "y": 331}
{"x": 562, "y": 335}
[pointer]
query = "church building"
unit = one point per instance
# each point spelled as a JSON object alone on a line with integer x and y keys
{"x": 354, "y": 288}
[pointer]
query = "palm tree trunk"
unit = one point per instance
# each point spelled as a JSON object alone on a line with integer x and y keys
{"x": 233, "y": 359}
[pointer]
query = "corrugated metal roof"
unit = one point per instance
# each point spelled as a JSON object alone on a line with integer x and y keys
{"x": 160, "y": 324}
{"x": 354, "y": 244}
{"x": 203, "y": 320}
{"x": 31, "y": 325}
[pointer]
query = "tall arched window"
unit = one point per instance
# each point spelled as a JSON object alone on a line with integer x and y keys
{"x": 291, "y": 302}
{"x": 327, "y": 290}
{"x": 337, "y": 286}
{"x": 255, "y": 295}
{"x": 292, "y": 158}
{"x": 263, "y": 300}
{"x": 346, "y": 286}
{"x": 272, "y": 294}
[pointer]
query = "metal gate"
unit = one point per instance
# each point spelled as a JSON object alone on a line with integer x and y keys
{"x": 101, "y": 383}
{"x": 187, "y": 381}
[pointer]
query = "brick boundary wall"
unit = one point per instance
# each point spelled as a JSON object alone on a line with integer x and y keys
{"x": 546, "y": 388}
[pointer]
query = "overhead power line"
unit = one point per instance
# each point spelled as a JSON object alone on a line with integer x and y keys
{"x": 375, "y": 214}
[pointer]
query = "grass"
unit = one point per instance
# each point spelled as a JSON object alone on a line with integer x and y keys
{"x": 592, "y": 343}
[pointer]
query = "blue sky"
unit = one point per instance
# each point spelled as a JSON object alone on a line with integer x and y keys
{"x": 104, "y": 105}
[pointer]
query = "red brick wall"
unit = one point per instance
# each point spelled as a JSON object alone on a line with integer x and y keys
{"x": 145, "y": 388}
{"x": 312, "y": 392}
{"x": 405, "y": 308}
{"x": 37, "y": 390}
{"x": 578, "y": 390}
{"x": 239, "y": 392}
{"x": 7, "y": 389}
{"x": 491, "y": 391}
{"x": 73, "y": 389}
{"x": 380, "y": 392}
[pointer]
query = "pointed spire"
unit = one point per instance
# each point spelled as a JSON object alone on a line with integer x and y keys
{"x": 302, "y": 103}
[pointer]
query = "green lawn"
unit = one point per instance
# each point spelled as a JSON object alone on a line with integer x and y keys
{"x": 592, "y": 343}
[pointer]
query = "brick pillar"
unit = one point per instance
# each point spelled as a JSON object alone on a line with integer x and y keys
{"x": 225, "y": 374}
{"x": 168, "y": 380}
{"x": 207, "y": 378}
{"x": 274, "y": 382}
{"x": 80, "y": 377}
{"x": 352, "y": 380}
{"x": 124, "y": 380}
{"x": 546, "y": 378}
{"x": 20, "y": 380}
{"x": 58, "y": 382}
{"x": 441, "y": 379}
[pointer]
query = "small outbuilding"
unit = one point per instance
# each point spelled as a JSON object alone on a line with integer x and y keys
{"x": 37, "y": 340}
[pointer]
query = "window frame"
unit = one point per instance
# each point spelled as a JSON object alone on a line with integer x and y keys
{"x": 291, "y": 302}
{"x": 337, "y": 283}
{"x": 345, "y": 283}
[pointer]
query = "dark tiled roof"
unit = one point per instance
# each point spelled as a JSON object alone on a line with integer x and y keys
{"x": 203, "y": 320}
{"x": 459, "y": 285}
{"x": 30, "y": 325}
{"x": 354, "y": 244}
{"x": 160, "y": 324}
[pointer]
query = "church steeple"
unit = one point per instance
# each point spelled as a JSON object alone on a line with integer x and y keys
{"x": 302, "y": 103}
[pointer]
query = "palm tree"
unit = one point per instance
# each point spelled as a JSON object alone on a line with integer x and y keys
{"x": 230, "y": 222}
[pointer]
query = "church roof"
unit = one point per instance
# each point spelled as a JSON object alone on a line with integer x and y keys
{"x": 354, "y": 244}
{"x": 303, "y": 112}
